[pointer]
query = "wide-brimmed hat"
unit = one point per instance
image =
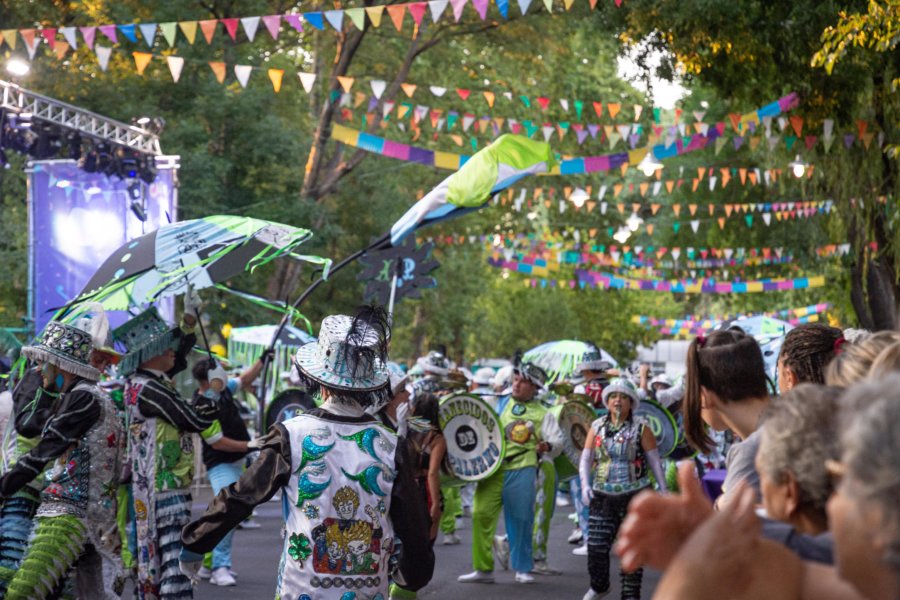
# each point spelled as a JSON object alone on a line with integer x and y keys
{"x": 92, "y": 318}
{"x": 663, "y": 379}
{"x": 594, "y": 364}
{"x": 350, "y": 354}
{"x": 622, "y": 385}
{"x": 533, "y": 373}
{"x": 67, "y": 347}
{"x": 144, "y": 337}
{"x": 484, "y": 376}
{"x": 434, "y": 363}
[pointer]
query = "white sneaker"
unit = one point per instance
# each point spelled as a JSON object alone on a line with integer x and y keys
{"x": 501, "y": 551}
{"x": 576, "y": 536}
{"x": 562, "y": 501}
{"x": 581, "y": 550}
{"x": 592, "y": 595}
{"x": 222, "y": 577}
{"x": 249, "y": 524}
{"x": 524, "y": 578}
{"x": 451, "y": 539}
{"x": 204, "y": 573}
{"x": 477, "y": 577}
{"x": 542, "y": 568}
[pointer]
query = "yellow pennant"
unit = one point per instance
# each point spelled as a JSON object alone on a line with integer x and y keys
{"x": 141, "y": 60}
{"x": 346, "y": 83}
{"x": 189, "y": 29}
{"x": 489, "y": 96}
{"x": 275, "y": 76}
{"x": 10, "y": 36}
{"x": 375, "y": 13}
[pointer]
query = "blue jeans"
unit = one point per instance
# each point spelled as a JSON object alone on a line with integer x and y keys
{"x": 221, "y": 476}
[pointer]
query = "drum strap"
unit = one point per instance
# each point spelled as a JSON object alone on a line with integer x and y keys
{"x": 510, "y": 457}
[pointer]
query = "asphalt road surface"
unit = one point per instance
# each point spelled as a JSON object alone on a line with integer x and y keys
{"x": 257, "y": 551}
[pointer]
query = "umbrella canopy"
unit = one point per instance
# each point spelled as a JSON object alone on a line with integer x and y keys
{"x": 199, "y": 252}
{"x": 261, "y": 335}
{"x": 246, "y": 344}
{"x": 560, "y": 358}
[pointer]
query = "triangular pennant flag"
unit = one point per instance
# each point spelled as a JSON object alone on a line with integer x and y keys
{"x": 250, "y": 24}
{"x": 378, "y": 87}
{"x": 31, "y": 43}
{"x": 176, "y": 63}
{"x": 464, "y": 94}
{"x": 231, "y": 26}
{"x": 189, "y": 29}
{"x": 458, "y": 6}
{"x": 548, "y": 4}
{"x": 273, "y": 25}
{"x": 208, "y": 27}
{"x": 861, "y": 127}
{"x": 103, "y": 53}
{"x": 437, "y": 91}
{"x": 357, "y": 16}
{"x": 408, "y": 88}
{"x": 523, "y": 5}
{"x": 275, "y": 76}
{"x": 49, "y": 34}
{"x": 219, "y": 69}
{"x": 613, "y": 108}
{"x": 749, "y": 219}
{"x": 141, "y": 60}
{"x": 9, "y": 36}
{"x": 375, "y": 13}
{"x": 346, "y": 83}
{"x": 148, "y": 32}
{"x": 316, "y": 19}
{"x": 169, "y": 31}
{"x": 695, "y": 225}
{"x": 87, "y": 33}
{"x": 481, "y": 7}
{"x": 69, "y": 34}
{"x": 242, "y": 73}
{"x": 307, "y": 80}
{"x": 767, "y": 218}
{"x": 417, "y": 11}
{"x": 296, "y": 21}
{"x": 721, "y": 222}
{"x": 397, "y": 12}
{"x": 335, "y": 18}
{"x": 61, "y": 49}
{"x": 797, "y": 124}
{"x": 129, "y": 31}
{"x": 110, "y": 32}
{"x": 489, "y": 96}
{"x": 437, "y": 8}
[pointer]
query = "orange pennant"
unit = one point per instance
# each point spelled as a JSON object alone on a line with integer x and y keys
{"x": 624, "y": 168}
{"x": 728, "y": 209}
{"x": 861, "y": 126}
{"x": 219, "y": 69}
{"x": 654, "y": 208}
{"x": 613, "y": 108}
{"x": 397, "y": 11}
{"x": 141, "y": 60}
{"x": 644, "y": 187}
{"x": 721, "y": 222}
{"x": 61, "y": 49}
{"x": 408, "y": 88}
{"x": 590, "y": 205}
{"x": 670, "y": 185}
{"x": 743, "y": 173}
{"x": 693, "y": 209}
{"x": 209, "y": 29}
{"x": 677, "y": 209}
{"x": 617, "y": 189}
{"x": 621, "y": 208}
{"x": 489, "y": 96}
{"x": 650, "y": 227}
{"x": 712, "y": 209}
{"x": 346, "y": 83}
{"x": 726, "y": 176}
{"x": 797, "y": 124}
{"x": 700, "y": 172}
{"x": 752, "y": 176}
{"x": 275, "y": 76}
{"x": 695, "y": 183}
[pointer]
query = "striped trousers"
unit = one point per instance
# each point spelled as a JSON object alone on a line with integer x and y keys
{"x": 607, "y": 514}
{"x": 16, "y": 525}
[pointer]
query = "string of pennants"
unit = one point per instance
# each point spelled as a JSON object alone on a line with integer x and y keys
{"x": 568, "y": 166}
{"x": 318, "y": 20}
{"x": 693, "y": 326}
{"x": 445, "y": 121}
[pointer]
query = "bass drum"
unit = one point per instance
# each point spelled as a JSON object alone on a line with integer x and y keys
{"x": 661, "y": 423}
{"x": 574, "y": 420}
{"x": 287, "y": 405}
{"x": 475, "y": 441}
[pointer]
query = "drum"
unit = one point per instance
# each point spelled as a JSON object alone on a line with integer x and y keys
{"x": 475, "y": 440}
{"x": 662, "y": 424}
{"x": 574, "y": 420}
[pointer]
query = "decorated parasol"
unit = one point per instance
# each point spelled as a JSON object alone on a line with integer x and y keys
{"x": 246, "y": 344}
{"x": 560, "y": 358}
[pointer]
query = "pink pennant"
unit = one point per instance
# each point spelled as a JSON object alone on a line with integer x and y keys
{"x": 464, "y": 94}
{"x": 294, "y": 21}
{"x": 88, "y": 34}
{"x": 417, "y": 10}
{"x": 231, "y": 26}
{"x": 481, "y": 7}
{"x": 110, "y": 32}
{"x": 458, "y": 6}
{"x": 49, "y": 34}
{"x": 273, "y": 24}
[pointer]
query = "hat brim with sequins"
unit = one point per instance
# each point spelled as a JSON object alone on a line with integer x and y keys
{"x": 622, "y": 386}
{"x": 349, "y": 355}
{"x": 144, "y": 337}
{"x": 66, "y": 347}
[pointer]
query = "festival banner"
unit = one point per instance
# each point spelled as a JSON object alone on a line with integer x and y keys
{"x": 608, "y": 281}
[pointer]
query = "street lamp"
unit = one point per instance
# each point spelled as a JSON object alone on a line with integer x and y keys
{"x": 622, "y": 235}
{"x": 798, "y": 167}
{"x": 634, "y": 222}
{"x": 649, "y": 165}
{"x": 17, "y": 67}
{"x": 579, "y": 197}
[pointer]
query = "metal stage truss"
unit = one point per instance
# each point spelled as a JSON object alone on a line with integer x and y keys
{"x": 48, "y": 110}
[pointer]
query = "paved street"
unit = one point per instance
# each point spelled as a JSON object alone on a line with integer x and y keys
{"x": 256, "y": 555}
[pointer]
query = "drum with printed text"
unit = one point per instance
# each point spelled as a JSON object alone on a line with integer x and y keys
{"x": 574, "y": 418}
{"x": 475, "y": 440}
{"x": 662, "y": 424}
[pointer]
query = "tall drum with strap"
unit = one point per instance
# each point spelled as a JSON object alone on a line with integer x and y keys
{"x": 475, "y": 440}
{"x": 662, "y": 424}
{"x": 574, "y": 418}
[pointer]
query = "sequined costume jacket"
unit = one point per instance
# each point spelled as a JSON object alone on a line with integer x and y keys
{"x": 620, "y": 464}
{"x": 350, "y": 496}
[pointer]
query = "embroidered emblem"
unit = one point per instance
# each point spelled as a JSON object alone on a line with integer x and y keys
{"x": 381, "y": 507}
{"x": 346, "y": 545}
{"x": 311, "y": 464}
{"x": 519, "y": 432}
{"x": 518, "y": 409}
{"x": 368, "y": 477}
{"x": 311, "y": 511}
{"x": 299, "y": 549}
{"x": 367, "y": 439}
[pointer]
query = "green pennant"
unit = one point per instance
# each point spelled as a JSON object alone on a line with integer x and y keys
{"x": 749, "y": 219}
{"x": 474, "y": 143}
{"x": 357, "y": 17}
{"x": 525, "y": 101}
{"x": 451, "y": 120}
{"x": 579, "y": 106}
{"x": 609, "y": 231}
{"x": 564, "y": 125}
{"x": 531, "y": 128}
{"x": 656, "y": 114}
{"x": 409, "y": 108}
{"x": 789, "y": 141}
{"x": 169, "y": 31}
{"x": 335, "y": 96}
{"x": 676, "y": 226}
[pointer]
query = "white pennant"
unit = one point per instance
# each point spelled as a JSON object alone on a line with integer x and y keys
{"x": 346, "y": 101}
{"x": 387, "y": 108}
{"x": 548, "y": 131}
{"x": 148, "y": 30}
{"x": 437, "y": 8}
{"x": 767, "y": 124}
{"x": 565, "y": 104}
{"x": 603, "y": 207}
{"x": 336, "y": 18}
{"x": 699, "y": 114}
{"x": 767, "y": 218}
{"x": 657, "y": 185}
{"x": 250, "y": 26}
{"x": 69, "y": 34}
{"x": 695, "y": 224}
{"x": 562, "y": 206}
{"x": 103, "y": 54}
{"x": 782, "y": 123}
{"x": 176, "y": 63}
{"x": 307, "y": 79}
{"x": 728, "y": 253}
{"x": 712, "y": 183}
{"x": 523, "y": 5}
{"x": 378, "y": 87}
{"x": 33, "y": 47}
{"x": 242, "y": 72}
{"x": 467, "y": 122}
{"x": 827, "y": 127}
{"x": 676, "y": 252}
{"x": 602, "y": 192}
{"x": 438, "y": 91}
